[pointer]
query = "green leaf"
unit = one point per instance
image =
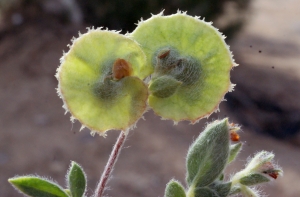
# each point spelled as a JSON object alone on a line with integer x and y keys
{"x": 234, "y": 151}
{"x": 174, "y": 189}
{"x": 205, "y": 192}
{"x": 222, "y": 189}
{"x": 253, "y": 179}
{"x": 76, "y": 180}
{"x": 37, "y": 187}
{"x": 208, "y": 155}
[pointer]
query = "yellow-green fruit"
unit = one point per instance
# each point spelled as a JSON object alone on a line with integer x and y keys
{"x": 190, "y": 51}
{"x": 100, "y": 80}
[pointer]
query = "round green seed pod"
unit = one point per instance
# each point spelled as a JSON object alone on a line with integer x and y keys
{"x": 190, "y": 51}
{"x": 101, "y": 81}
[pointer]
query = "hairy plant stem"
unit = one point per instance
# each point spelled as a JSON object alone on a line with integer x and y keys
{"x": 191, "y": 191}
{"x": 110, "y": 164}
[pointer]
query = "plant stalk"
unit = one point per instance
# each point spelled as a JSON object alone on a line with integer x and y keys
{"x": 110, "y": 164}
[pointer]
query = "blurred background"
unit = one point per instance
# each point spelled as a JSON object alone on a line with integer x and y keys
{"x": 37, "y": 138}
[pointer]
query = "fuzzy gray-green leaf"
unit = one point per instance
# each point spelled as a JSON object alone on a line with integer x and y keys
{"x": 76, "y": 180}
{"x": 37, "y": 187}
{"x": 205, "y": 192}
{"x": 234, "y": 151}
{"x": 253, "y": 179}
{"x": 174, "y": 189}
{"x": 208, "y": 155}
{"x": 222, "y": 189}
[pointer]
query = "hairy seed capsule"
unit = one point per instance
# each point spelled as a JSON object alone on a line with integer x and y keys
{"x": 196, "y": 55}
{"x": 100, "y": 90}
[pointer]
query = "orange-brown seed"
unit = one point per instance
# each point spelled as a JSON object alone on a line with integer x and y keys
{"x": 274, "y": 175}
{"x": 234, "y": 136}
{"x": 121, "y": 69}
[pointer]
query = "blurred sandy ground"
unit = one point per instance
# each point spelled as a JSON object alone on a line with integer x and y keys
{"x": 37, "y": 138}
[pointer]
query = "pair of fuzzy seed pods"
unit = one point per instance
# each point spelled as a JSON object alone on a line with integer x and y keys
{"x": 178, "y": 65}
